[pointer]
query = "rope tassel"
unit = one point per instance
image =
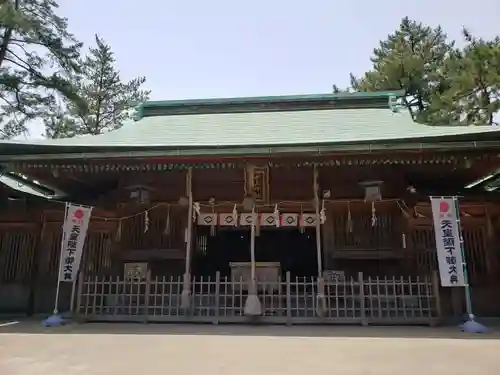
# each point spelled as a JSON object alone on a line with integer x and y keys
{"x": 301, "y": 226}
{"x": 214, "y": 222}
{"x": 322, "y": 214}
{"x": 166, "y": 231}
{"x": 118, "y": 236}
{"x": 276, "y": 215}
{"x": 374, "y": 216}
{"x": 146, "y": 221}
{"x": 235, "y": 215}
{"x": 349, "y": 219}
{"x": 196, "y": 210}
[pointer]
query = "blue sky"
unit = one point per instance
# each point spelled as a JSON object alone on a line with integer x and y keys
{"x": 222, "y": 48}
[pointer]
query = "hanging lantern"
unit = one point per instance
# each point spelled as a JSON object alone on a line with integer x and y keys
{"x": 183, "y": 201}
{"x": 372, "y": 190}
{"x": 140, "y": 193}
{"x": 248, "y": 203}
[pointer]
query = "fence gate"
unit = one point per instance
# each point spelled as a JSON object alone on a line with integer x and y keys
{"x": 359, "y": 300}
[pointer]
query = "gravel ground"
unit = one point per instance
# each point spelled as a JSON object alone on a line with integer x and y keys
{"x": 131, "y": 349}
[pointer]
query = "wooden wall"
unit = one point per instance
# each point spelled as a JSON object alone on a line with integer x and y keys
{"x": 401, "y": 242}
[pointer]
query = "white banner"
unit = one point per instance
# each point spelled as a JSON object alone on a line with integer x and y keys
{"x": 447, "y": 230}
{"x": 75, "y": 228}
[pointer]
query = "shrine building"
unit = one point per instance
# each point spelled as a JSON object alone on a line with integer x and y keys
{"x": 286, "y": 209}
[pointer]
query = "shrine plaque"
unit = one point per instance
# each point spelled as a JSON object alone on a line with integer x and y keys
{"x": 135, "y": 271}
{"x": 334, "y": 276}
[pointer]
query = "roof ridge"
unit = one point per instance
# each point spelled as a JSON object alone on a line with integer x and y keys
{"x": 275, "y": 98}
{"x": 358, "y": 100}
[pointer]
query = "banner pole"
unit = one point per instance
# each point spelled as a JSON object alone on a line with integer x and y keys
{"x": 468, "y": 299}
{"x": 72, "y": 298}
{"x": 58, "y": 287}
{"x": 445, "y": 203}
{"x": 470, "y": 325}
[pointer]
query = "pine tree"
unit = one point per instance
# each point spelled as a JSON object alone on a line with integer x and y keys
{"x": 410, "y": 59}
{"x": 109, "y": 99}
{"x": 37, "y": 54}
{"x": 473, "y": 96}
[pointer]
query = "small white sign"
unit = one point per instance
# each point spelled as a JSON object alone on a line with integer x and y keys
{"x": 269, "y": 220}
{"x": 228, "y": 220}
{"x": 289, "y": 220}
{"x": 308, "y": 220}
{"x": 207, "y": 219}
{"x": 248, "y": 219}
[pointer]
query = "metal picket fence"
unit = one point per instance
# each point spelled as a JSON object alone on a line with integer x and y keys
{"x": 371, "y": 300}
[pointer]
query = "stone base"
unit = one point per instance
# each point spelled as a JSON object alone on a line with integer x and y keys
{"x": 253, "y": 306}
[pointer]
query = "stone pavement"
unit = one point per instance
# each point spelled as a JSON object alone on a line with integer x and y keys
{"x": 134, "y": 349}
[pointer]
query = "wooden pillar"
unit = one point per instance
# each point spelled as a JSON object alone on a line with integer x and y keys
{"x": 318, "y": 223}
{"x": 321, "y": 303}
{"x": 253, "y": 306}
{"x": 491, "y": 245}
{"x": 186, "y": 286}
{"x": 37, "y": 250}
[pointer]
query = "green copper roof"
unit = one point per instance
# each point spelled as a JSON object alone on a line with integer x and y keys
{"x": 224, "y": 126}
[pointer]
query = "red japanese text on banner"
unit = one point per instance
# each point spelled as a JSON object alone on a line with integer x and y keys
{"x": 448, "y": 246}
{"x": 75, "y": 228}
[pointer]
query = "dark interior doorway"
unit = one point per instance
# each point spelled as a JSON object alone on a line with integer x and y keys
{"x": 295, "y": 251}
{"x": 214, "y": 253}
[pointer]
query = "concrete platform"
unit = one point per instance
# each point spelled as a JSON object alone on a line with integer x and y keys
{"x": 26, "y": 348}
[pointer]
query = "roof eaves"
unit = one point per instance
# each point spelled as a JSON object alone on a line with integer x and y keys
{"x": 260, "y": 150}
{"x": 28, "y": 186}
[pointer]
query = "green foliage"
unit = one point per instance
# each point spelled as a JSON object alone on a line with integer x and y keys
{"x": 338, "y": 90}
{"x": 473, "y": 94}
{"x": 109, "y": 99}
{"x": 37, "y": 56}
{"x": 408, "y": 60}
{"x": 443, "y": 84}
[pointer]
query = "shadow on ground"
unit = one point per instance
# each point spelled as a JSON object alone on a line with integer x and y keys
{"x": 35, "y": 327}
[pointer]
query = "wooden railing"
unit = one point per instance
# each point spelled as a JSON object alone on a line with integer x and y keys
{"x": 361, "y": 300}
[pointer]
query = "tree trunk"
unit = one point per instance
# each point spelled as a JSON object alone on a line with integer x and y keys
{"x": 7, "y": 35}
